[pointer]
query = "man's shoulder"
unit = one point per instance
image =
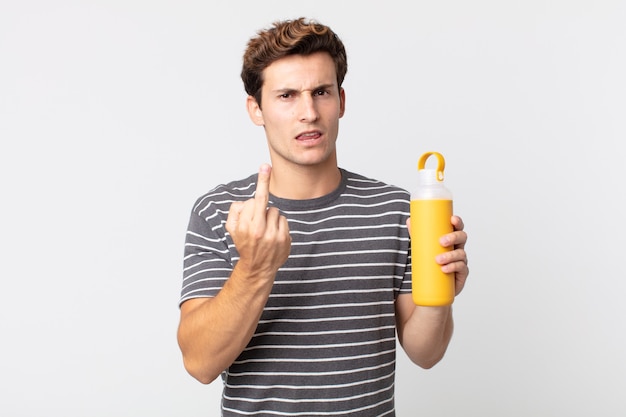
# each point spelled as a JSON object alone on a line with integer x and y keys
{"x": 228, "y": 192}
{"x": 362, "y": 182}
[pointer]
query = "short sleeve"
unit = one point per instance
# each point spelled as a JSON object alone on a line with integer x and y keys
{"x": 207, "y": 262}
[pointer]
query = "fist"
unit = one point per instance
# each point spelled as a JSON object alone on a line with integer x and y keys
{"x": 260, "y": 233}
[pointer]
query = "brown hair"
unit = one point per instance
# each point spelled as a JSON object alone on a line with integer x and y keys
{"x": 289, "y": 37}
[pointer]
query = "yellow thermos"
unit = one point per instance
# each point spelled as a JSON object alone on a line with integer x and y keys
{"x": 431, "y": 211}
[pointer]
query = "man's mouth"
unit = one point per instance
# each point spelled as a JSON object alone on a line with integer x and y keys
{"x": 309, "y": 136}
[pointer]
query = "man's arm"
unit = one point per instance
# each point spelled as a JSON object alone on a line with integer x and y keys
{"x": 425, "y": 332}
{"x": 213, "y": 331}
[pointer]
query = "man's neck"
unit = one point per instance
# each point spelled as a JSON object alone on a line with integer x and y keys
{"x": 304, "y": 182}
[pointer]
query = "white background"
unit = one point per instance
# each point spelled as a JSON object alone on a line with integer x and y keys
{"x": 116, "y": 115}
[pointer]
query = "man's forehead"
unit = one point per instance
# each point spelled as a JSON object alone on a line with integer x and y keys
{"x": 301, "y": 72}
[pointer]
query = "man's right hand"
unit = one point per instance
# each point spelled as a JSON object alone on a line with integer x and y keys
{"x": 260, "y": 233}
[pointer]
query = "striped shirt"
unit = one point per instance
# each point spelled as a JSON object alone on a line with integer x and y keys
{"x": 325, "y": 343}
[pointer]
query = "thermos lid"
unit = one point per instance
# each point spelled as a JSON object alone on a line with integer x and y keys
{"x": 427, "y": 177}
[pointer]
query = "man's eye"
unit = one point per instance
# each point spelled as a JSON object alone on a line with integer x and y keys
{"x": 321, "y": 92}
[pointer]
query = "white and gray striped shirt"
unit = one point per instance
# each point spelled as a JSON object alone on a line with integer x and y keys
{"x": 325, "y": 343}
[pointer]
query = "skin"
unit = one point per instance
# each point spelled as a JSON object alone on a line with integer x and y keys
{"x": 300, "y": 113}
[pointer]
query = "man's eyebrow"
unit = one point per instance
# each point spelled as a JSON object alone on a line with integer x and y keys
{"x": 324, "y": 87}
{"x": 284, "y": 90}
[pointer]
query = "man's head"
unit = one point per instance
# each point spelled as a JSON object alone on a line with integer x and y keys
{"x": 290, "y": 37}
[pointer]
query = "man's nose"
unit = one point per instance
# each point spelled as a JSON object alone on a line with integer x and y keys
{"x": 307, "y": 110}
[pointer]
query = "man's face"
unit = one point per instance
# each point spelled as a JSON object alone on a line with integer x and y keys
{"x": 301, "y": 108}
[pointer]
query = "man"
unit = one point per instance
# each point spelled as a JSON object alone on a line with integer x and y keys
{"x": 297, "y": 278}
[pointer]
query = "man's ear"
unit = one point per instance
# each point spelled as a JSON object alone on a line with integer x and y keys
{"x": 342, "y": 105}
{"x": 254, "y": 111}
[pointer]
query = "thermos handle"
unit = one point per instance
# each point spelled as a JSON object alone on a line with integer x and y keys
{"x": 441, "y": 163}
